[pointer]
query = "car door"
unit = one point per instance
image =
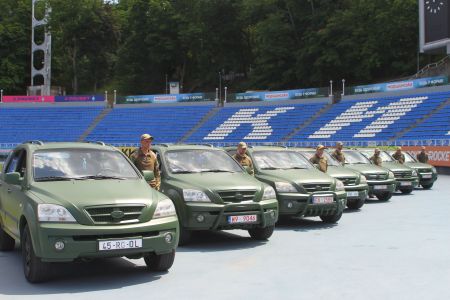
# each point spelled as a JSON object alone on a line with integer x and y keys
{"x": 12, "y": 195}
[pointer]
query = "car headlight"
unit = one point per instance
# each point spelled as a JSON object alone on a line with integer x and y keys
{"x": 391, "y": 175}
{"x": 362, "y": 179}
{"x": 285, "y": 187}
{"x": 269, "y": 193}
{"x": 195, "y": 196}
{"x": 414, "y": 173}
{"x": 164, "y": 208}
{"x": 54, "y": 213}
{"x": 433, "y": 169}
{"x": 339, "y": 185}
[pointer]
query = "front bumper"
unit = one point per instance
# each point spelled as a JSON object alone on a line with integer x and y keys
{"x": 427, "y": 178}
{"x": 355, "y": 192}
{"x": 301, "y": 205}
{"x": 406, "y": 183}
{"x": 81, "y": 241}
{"x": 211, "y": 216}
{"x": 378, "y": 186}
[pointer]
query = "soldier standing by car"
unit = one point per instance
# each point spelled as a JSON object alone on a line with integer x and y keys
{"x": 145, "y": 159}
{"x": 375, "y": 158}
{"x": 422, "y": 156}
{"x": 319, "y": 159}
{"x": 243, "y": 158}
{"x": 338, "y": 154}
{"x": 399, "y": 156}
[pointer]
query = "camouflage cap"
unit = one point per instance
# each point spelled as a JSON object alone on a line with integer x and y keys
{"x": 146, "y": 136}
{"x": 399, "y": 148}
{"x": 339, "y": 144}
{"x": 320, "y": 147}
{"x": 242, "y": 145}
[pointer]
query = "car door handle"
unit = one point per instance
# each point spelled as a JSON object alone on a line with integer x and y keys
{"x": 9, "y": 190}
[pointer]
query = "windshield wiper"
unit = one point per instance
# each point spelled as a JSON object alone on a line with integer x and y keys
{"x": 269, "y": 168}
{"x": 98, "y": 177}
{"x": 53, "y": 178}
{"x": 184, "y": 172}
{"x": 296, "y": 168}
{"x": 217, "y": 171}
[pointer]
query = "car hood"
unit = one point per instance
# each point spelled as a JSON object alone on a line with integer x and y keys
{"x": 83, "y": 193}
{"x": 216, "y": 181}
{"x": 418, "y": 165}
{"x": 297, "y": 176}
{"x": 341, "y": 172}
{"x": 367, "y": 169}
{"x": 396, "y": 166}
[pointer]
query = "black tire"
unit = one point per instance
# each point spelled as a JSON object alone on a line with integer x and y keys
{"x": 160, "y": 262}
{"x": 261, "y": 234}
{"x": 427, "y": 186}
{"x": 7, "y": 243}
{"x": 185, "y": 236}
{"x": 34, "y": 269}
{"x": 406, "y": 190}
{"x": 332, "y": 218}
{"x": 384, "y": 196}
{"x": 355, "y": 204}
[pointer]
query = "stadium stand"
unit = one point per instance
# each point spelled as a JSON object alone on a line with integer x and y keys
{"x": 377, "y": 119}
{"x": 56, "y": 124}
{"x": 269, "y": 123}
{"x": 167, "y": 123}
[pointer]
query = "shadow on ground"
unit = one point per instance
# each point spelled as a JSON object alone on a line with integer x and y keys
{"x": 300, "y": 224}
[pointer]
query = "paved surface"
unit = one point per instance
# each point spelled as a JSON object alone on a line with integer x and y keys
{"x": 387, "y": 250}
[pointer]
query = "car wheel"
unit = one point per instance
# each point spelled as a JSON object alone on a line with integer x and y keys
{"x": 355, "y": 204}
{"x": 35, "y": 270}
{"x": 427, "y": 186}
{"x": 384, "y": 196}
{"x": 406, "y": 191}
{"x": 160, "y": 262}
{"x": 332, "y": 218}
{"x": 7, "y": 243}
{"x": 261, "y": 234}
{"x": 185, "y": 236}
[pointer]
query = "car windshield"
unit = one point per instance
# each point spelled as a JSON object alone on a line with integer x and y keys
{"x": 67, "y": 164}
{"x": 408, "y": 157}
{"x": 354, "y": 158}
{"x": 385, "y": 156}
{"x": 272, "y": 160}
{"x": 200, "y": 161}
{"x": 330, "y": 160}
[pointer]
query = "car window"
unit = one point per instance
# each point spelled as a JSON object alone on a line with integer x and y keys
{"x": 280, "y": 160}
{"x": 13, "y": 162}
{"x": 80, "y": 163}
{"x": 330, "y": 160}
{"x": 354, "y": 157}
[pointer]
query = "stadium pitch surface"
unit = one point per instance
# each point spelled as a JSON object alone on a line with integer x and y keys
{"x": 387, "y": 250}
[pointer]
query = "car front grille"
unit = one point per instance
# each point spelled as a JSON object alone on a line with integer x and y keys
{"x": 237, "y": 196}
{"x": 316, "y": 187}
{"x": 403, "y": 174}
{"x": 425, "y": 170}
{"x": 348, "y": 181}
{"x": 115, "y": 214}
{"x": 377, "y": 176}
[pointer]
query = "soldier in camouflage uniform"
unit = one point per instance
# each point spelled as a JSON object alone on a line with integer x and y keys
{"x": 145, "y": 159}
{"x": 399, "y": 156}
{"x": 338, "y": 154}
{"x": 375, "y": 158}
{"x": 422, "y": 156}
{"x": 243, "y": 158}
{"x": 319, "y": 159}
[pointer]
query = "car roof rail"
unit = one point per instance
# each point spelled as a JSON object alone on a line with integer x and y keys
{"x": 198, "y": 144}
{"x": 34, "y": 142}
{"x": 96, "y": 142}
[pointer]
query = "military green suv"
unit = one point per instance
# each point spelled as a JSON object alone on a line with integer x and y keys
{"x": 355, "y": 183}
{"x": 68, "y": 201}
{"x": 302, "y": 190}
{"x": 211, "y": 191}
{"x": 381, "y": 181}
{"x": 427, "y": 173}
{"x": 406, "y": 178}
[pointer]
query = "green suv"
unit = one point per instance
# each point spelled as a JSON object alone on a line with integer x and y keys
{"x": 68, "y": 201}
{"x": 355, "y": 183}
{"x": 381, "y": 181}
{"x": 211, "y": 191}
{"x": 302, "y": 190}
{"x": 406, "y": 178}
{"x": 427, "y": 173}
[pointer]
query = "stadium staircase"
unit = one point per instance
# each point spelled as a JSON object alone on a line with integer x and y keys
{"x": 209, "y": 115}
{"x": 94, "y": 123}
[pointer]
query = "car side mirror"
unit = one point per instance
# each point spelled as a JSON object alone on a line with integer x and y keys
{"x": 148, "y": 175}
{"x": 13, "y": 178}
{"x": 248, "y": 169}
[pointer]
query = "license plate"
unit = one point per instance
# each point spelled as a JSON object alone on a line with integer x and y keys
{"x": 405, "y": 183}
{"x": 242, "y": 219}
{"x": 426, "y": 175}
{"x": 322, "y": 199}
{"x": 380, "y": 187}
{"x": 119, "y": 244}
{"x": 352, "y": 194}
